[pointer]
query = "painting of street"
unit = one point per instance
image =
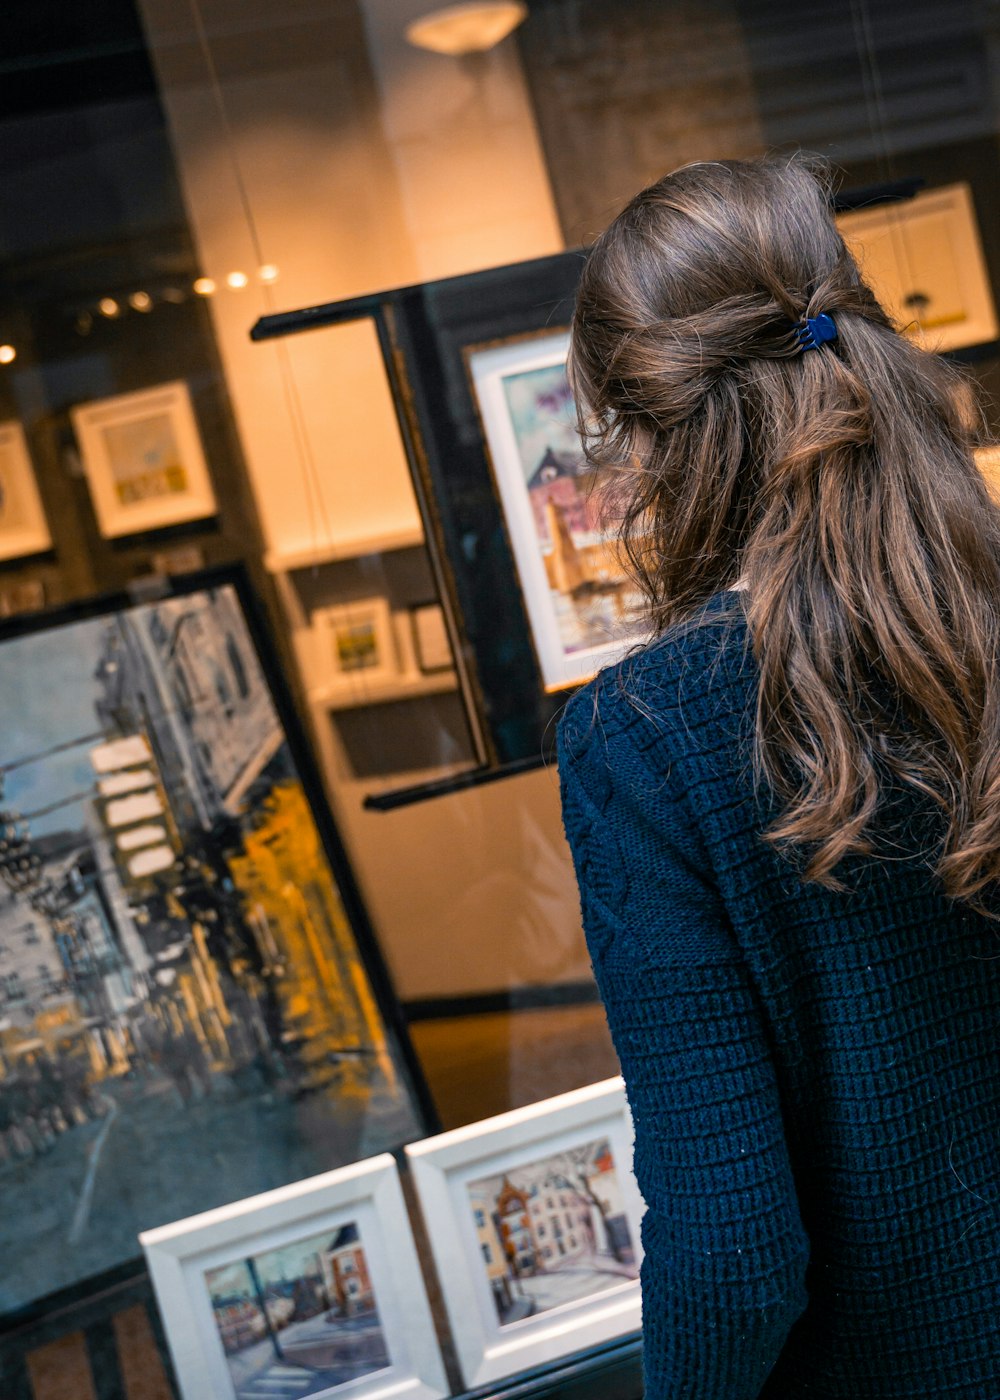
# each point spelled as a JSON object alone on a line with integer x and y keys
{"x": 593, "y": 600}
{"x": 300, "y": 1320}
{"x": 185, "y": 1017}
{"x": 553, "y": 1231}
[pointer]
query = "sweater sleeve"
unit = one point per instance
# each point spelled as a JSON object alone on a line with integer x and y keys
{"x": 725, "y": 1252}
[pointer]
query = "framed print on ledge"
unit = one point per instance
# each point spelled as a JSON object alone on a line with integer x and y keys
{"x": 355, "y": 644}
{"x": 193, "y": 1009}
{"x": 143, "y": 460}
{"x": 533, "y": 1219}
{"x": 582, "y": 610}
{"x": 23, "y": 529}
{"x": 311, "y": 1292}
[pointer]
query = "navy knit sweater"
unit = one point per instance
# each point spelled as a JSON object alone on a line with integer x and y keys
{"x": 814, "y": 1076}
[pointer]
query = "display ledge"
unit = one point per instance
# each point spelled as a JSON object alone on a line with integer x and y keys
{"x": 278, "y": 562}
{"x": 612, "y": 1371}
{"x": 339, "y": 697}
{"x": 458, "y": 782}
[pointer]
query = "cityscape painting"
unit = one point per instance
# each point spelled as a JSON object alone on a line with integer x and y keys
{"x": 553, "y": 1231}
{"x": 300, "y": 1320}
{"x": 186, "y": 1016}
{"x": 583, "y": 610}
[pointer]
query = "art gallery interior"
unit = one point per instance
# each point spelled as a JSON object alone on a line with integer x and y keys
{"x": 264, "y": 270}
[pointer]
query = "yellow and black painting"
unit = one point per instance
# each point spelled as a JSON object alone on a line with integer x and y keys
{"x": 186, "y": 1018}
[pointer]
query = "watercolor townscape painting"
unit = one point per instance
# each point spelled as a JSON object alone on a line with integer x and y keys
{"x": 582, "y": 608}
{"x": 553, "y": 1231}
{"x": 185, "y": 1016}
{"x": 299, "y": 1320}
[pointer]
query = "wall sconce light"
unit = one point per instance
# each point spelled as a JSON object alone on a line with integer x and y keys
{"x": 467, "y": 28}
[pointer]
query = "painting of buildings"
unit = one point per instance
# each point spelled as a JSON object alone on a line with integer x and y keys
{"x": 593, "y": 599}
{"x": 583, "y": 610}
{"x": 185, "y": 1016}
{"x": 298, "y": 1320}
{"x": 553, "y": 1231}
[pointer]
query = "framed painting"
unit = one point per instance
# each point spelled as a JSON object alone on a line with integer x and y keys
{"x": 534, "y": 1219}
{"x": 582, "y": 610}
{"x": 429, "y": 639}
{"x": 924, "y": 260}
{"x": 355, "y": 644}
{"x": 313, "y": 1291}
{"x": 23, "y": 529}
{"x": 192, "y": 1005}
{"x": 143, "y": 460}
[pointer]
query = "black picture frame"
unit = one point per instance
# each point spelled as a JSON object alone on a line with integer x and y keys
{"x": 424, "y": 332}
{"x": 303, "y": 1090}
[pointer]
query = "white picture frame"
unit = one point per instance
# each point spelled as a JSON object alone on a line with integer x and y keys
{"x": 191, "y": 1257}
{"x": 923, "y": 259}
{"x": 355, "y": 645}
{"x": 582, "y": 612}
{"x": 143, "y": 460}
{"x": 430, "y": 643}
{"x": 23, "y": 527}
{"x": 456, "y": 1176}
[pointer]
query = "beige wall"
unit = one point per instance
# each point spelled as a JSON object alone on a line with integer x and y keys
{"x": 470, "y": 173}
{"x": 475, "y": 892}
{"x": 352, "y": 162}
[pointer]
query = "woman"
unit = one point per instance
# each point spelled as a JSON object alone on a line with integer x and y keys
{"x": 784, "y": 812}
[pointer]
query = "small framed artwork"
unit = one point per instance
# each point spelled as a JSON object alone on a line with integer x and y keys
{"x": 355, "y": 643}
{"x": 923, "y": 259}
{"x": 313, "y": 1291}
{"x": 23, "y": 529}
{"x": 143, "y": 460}
{"x": 582, "y": 610}
{"x": 533, "y": 1219}
{"x": 431, "y": 644}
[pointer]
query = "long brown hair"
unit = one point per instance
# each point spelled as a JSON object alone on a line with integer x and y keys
{"x": 838, "y": 484}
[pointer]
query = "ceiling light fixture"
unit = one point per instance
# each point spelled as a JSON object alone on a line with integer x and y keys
{"x": 7, "y": 354}
{"x": 107, "y": 306}
{"x": 468, "y": 28}
{"x": 140, "y": 301}
{"x": 236, "y": 280}
{"x": 204, "y": 286}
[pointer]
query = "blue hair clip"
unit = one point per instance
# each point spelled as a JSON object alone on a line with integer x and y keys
{"x": 815, "y": 331}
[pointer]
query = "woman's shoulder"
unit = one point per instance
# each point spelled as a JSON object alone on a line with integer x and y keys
{"x": 689, "y": 689}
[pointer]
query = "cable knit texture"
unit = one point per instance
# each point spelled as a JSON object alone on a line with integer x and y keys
{"x": 814, "y": 1076}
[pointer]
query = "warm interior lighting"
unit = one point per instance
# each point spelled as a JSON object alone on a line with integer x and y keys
{"x": 469, "y": 28}
{"x": 236, "y": 280}
{"x": 204, "y": 286}
{"x": 141, "y": 301}
{"x": 7, "y": 353}
{"x": 267, "y": 272}
{"x": 107, "y": 306}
